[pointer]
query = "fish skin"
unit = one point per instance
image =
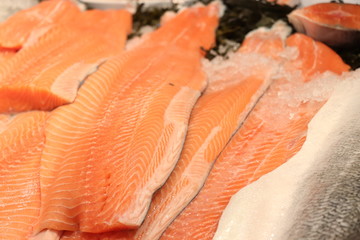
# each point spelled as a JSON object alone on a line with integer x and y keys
{"x": 260, "y": 137}
{"x": 329, "y": 206}
{"x": 22, "y": 139}
{"x": 332, "y": 23}
{"x": 48, "y": 73}
{"x": 315, "y": 195}
{"x": 34, "y": 22}
{"x": 116, "y": 191}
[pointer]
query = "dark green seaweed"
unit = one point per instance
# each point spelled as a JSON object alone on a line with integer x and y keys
{"x": 350, "y": 56}
{"x": 242, "y": 16}
{"x": 148, "y": 17}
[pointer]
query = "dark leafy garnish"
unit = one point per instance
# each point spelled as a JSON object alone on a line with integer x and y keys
{"x": 242, "y": 16}
{"x": 350, "y": 56}
{"x": 148, "y": 17}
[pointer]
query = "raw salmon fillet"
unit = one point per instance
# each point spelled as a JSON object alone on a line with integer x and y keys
{"x": 35, "y": 22}
{"x": 48, "y": 73}
{"x": 116, "y": 235}
{"x": 22, "y": 139}
{"x": 109, "y": 151}
{"x": 234, "y": 88}
{"x": 332, "y": 23}
{"x": 273, "y": 132}
{"x": 6, "y": 54}
{"x": 332, "y": 14}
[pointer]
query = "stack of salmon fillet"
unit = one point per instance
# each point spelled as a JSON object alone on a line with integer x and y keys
{"x": 148, "y": 142}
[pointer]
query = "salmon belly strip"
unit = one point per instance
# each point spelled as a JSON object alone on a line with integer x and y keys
{"x": 109, "y": 151}
{"x": 48, "y": 73}
{"x": 30, "y": 24}
{"x": 272, "y": 133}
{"x": 22, "y": 138}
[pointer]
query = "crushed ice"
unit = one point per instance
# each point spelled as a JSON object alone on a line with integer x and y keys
{"x": 223, "y": 73}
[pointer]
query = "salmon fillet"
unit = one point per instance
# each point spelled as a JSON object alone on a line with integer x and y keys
{"x": 234, "y": 88}
{"x": 331, "y": 14}
{"x": 30, "y": 24}
{"x": 332, "y": 23}
{"x": 273, "y": 132}
{"x": 48, "y": 73}
{"x": 22, "y": 139}
{"x": 116, "y": 235}
{"x": 109, "y": 151}
{"x": 6, "y": 54}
